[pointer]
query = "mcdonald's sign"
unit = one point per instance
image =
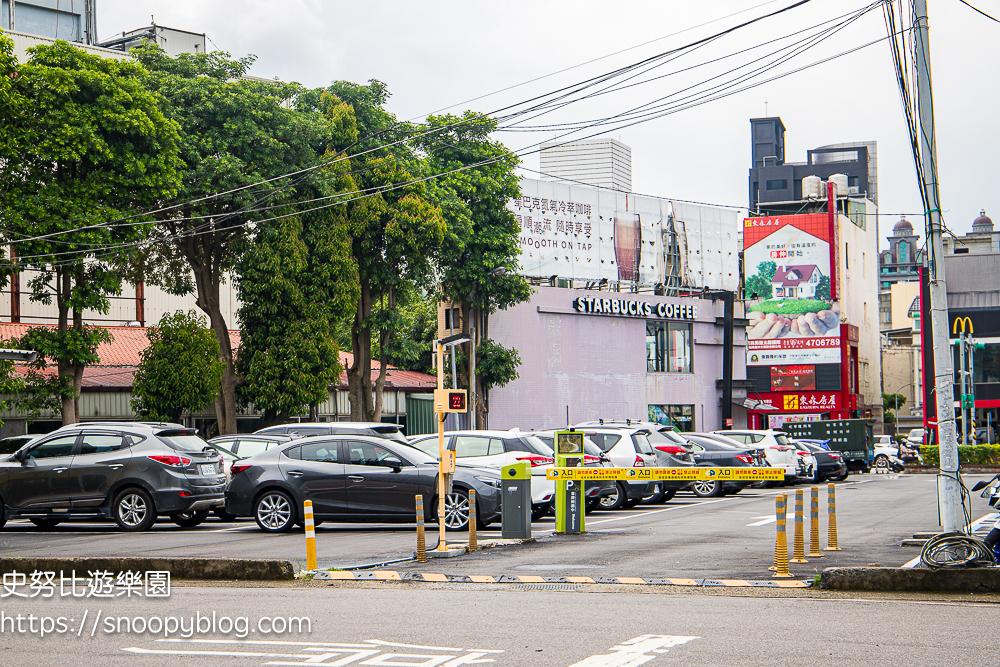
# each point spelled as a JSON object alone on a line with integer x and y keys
{"x": 960, "y": 324}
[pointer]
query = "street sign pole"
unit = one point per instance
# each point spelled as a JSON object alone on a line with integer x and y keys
{"x": 442, "y": 488}
{"x": 949, "y": 489}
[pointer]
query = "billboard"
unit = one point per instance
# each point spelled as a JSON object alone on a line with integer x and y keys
{"x": 589, "y": 234}
{"x": 793, "y": 319}
{"x": 793, "y": 378}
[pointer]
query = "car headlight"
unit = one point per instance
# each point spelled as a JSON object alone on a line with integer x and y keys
{"x": 491, "y": 481}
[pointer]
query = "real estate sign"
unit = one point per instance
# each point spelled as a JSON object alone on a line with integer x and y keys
{"x": 793, "y": 319}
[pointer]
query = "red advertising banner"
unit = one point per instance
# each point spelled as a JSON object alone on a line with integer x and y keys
{"x": 794, "y": 315}
{"x": 793, "y": 378}
{"x": 801, "y": 401}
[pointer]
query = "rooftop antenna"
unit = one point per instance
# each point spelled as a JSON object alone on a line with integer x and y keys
{"x": 765, "y": 107}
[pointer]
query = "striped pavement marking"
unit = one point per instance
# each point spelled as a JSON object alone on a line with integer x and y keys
{"x": 390, "y": 575}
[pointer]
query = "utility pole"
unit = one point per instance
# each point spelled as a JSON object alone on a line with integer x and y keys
{"x": 949, "y": 489}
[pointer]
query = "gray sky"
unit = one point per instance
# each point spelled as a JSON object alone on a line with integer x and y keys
{"x": 436, "y": 54}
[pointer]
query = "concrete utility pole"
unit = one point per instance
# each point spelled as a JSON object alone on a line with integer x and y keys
{"x": 949, "y": 488}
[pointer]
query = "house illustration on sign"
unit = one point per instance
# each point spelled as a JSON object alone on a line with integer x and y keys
{"x": 797, "y": 281}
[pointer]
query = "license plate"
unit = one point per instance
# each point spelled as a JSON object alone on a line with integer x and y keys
{"x": 207, "y": 468}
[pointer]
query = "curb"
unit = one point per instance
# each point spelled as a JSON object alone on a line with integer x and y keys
{"x": 428, "y": 577}
{"x": 958, "y": 580}
{"x": 179, "y": 568}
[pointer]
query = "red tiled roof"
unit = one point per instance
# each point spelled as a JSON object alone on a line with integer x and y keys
{"x": 804, "y": 271}
{"x": 120, "y": 358}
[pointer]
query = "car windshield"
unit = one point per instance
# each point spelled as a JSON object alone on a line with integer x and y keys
{"x": 185, "y": 441}
{"x": 11, "y": 445}
{"x": 536, "y": 445}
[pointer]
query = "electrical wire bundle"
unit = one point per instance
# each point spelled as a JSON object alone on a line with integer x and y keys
{"x": 954, "y": 550}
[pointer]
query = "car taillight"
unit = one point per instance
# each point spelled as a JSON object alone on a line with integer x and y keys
{"x": 833, "y": 456}
{"x": 172, "y": 461}
{"x": 676, "y": 450}
{"x": 537, "y": 460}
{"x": 237, "y": 468}
{"x": 639, "y": 463}
{"x": 746, "y": 458}
{"x": 780, "y": 448}
{"x": 587, "y": 458}
{"x": 802, "y": 453}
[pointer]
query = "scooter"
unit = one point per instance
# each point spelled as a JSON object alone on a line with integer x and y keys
{"x": 991, "y": 488}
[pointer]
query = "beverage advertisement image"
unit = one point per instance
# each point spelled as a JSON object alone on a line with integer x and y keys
{"x": 793, "y": 319}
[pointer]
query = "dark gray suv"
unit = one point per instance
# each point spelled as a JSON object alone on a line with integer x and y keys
{"x": 128, "y": 471}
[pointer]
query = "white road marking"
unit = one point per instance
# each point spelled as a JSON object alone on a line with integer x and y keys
{"x": 371, "y": 651}
{"x": 764, "y": 521}
{"x": 635, "y": 651}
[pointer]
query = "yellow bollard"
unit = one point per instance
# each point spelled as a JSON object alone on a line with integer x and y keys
{"x": 814, "y": 524}
{"x": 310, "y": 537}
{"x": 421, "y": 543}
{"x": 831, "y": 508}
{"x": 799, "y": 554}
{"x": 472, "y": 521}
{"x": 781, "y": 544}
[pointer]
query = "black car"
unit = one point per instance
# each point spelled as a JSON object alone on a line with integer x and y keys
{"x": 126, "y": 471}
{"x": 305, "y": 429}
{"x": 713, "y": 452}
{"x": 354, "y": 478}
{"x": 831, "y": 464}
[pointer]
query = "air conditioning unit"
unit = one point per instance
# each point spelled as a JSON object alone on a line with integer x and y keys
{"x": 853, "y": 190}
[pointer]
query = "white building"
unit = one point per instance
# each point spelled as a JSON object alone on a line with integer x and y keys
{"x": 601, "y": 162}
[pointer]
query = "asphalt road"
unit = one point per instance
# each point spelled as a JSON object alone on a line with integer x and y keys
{"x": 419, "y": 624}
{"x": 730, "y": 537}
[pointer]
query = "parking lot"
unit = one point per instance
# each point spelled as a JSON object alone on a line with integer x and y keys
{"x": 732, "y": 536}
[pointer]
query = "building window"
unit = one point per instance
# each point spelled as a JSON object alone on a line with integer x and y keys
{"x": 904, "y": 252}
{"x": 777, "y": 184}
{"x": 681, "y": 417}
{"x": 852, "y": 181}
{"x": 668, "y": 347}
{"x": 886, "y": 285}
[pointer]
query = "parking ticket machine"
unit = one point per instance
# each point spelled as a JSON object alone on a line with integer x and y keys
{"x": 569, "y": 492}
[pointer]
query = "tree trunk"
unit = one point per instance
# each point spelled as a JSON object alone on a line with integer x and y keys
{"x": 359, "y": 373}
{"x": 482, "y": 405}
{"x": 64, "y": 284}
{"x": 208, "y": 281}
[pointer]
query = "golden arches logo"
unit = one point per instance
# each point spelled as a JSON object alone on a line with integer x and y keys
{"x": 960, "y": 323}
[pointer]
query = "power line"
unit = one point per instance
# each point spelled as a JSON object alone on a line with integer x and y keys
{"x": 979, "y": 10}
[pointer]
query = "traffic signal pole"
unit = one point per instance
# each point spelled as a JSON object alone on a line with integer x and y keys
{"x": 949, "y": 487}
{"x": 442, "y": 487}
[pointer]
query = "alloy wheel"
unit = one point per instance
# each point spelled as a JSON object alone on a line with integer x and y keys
{"x": 704, "y": 487}
{"x": 132, "y": 509}
{"x": 273, "y": 511}
{"x": 456, "y": 511}
{"x": 610, "y": 500}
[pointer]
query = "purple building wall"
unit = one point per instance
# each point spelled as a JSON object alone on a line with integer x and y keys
{"x": 596, "y": 364}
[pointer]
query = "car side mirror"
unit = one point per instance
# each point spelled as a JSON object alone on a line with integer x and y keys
{"x": 980, "y": 485}
{"x": 393, "y": 462}
{"x": 21, "y": 455}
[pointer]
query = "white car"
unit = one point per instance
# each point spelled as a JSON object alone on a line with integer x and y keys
{"x": 779, "y": 451}
{"x": 495, "y": 449}
{"x": 626, "y": 448}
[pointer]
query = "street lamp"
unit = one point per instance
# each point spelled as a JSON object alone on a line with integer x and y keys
{"x": 442, "y": 404}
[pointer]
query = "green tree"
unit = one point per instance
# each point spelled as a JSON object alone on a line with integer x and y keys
{"x": 234, "y": 134}
{"x": 87, "y": 145}
{"x": 761, "y": 281}
{"x": 395, "y": 235}
{"x": 893, "y": 401}
{"x": 180, "y": 370}
{"x": 823, "y": 288}
{"x": 479, "y": 262}
{"x": 411, "y": 347}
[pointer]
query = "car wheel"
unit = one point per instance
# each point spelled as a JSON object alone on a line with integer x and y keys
{"x": 133, "y": 510}
{"x": 615, "y": 500}
{"x": 704, "y": 488}
{"x": 881, "y": 463}
{"x": 668, "y": 495}
{"x": 45, "y": 524}
{"x": 3, "y": 514}
{"x": 456, "y": 510}
{"x": 539, "y": 511}
{"x": 224, "y": 515}
{"x": 189, "y": 519}
{"x": 591, "y": 505}
{"x": 629, "y": 504}
{"x": 841, "y": 478}
{"x": 274, "y": 512}
{"x": 735, "y": 489}
{"x": 653, "y": 497}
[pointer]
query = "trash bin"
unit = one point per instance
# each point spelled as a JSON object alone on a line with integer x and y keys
{"x": 516, "y": 507}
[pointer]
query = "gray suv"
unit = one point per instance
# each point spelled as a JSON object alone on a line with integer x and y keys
{"x": 126, "y": 471}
